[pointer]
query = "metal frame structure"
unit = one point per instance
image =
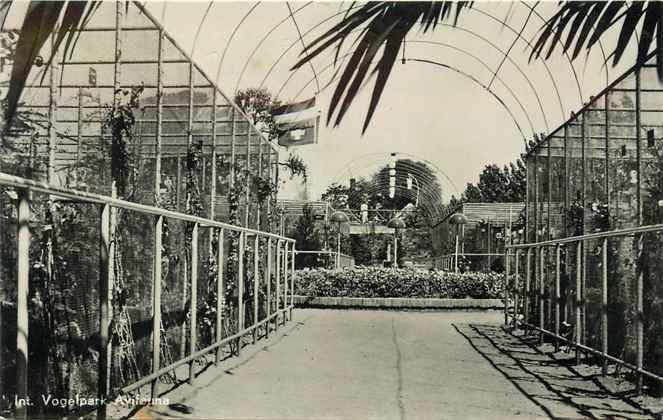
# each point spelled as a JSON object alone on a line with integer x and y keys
{"x": 593, "y": 216}
{"x": 128, "y": 48}
{"x": 284, "y": 249}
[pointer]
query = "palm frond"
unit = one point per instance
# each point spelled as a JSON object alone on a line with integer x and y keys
{"x": 385, "y": 24}
{"x": 43, "y": 19}
{"x": 583, "y": 23}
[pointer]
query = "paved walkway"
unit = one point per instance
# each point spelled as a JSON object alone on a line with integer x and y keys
{"x": 380, "y": 365}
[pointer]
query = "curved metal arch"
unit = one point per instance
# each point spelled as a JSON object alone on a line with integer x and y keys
{"x": 200, "y": 27}
{"x": 406, "y": 155}
{"x": 487, "y": 67}
{"x": 537, "y": 14}
{"x": 314, "y": 27}
{"x": 475, "y": 80}
{"x": 429, "y": 208}
{"x": 529, "y": 82}
{"x": 437, "y": 43}
{"x": 264, "y": 38}
{"x": 232, "y": 36}
{"x": 529, "y": 45}
{"x": 472, "y": 78}
{"x": 472, "y": 33}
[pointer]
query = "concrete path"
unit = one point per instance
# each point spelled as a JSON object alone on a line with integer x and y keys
{"x": 371, "y": 365}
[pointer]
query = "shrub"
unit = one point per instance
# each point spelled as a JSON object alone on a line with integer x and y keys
{"x": 403, "y": 282}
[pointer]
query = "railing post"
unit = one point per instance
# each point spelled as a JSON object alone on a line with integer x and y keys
{"x": 268, "y": 277}
{"x": 22, "y": 290}
{"x": 278, "y": 283}
{"x": 579, "y": 297}
{"x": 194, "y": 300}
{"x": 542, "y": 255}
{"x": 506, "y": 287}
{"x": 220, "y": 294}
{"x": 240, "y": 291}
{"x": 604, "y": 305}
{"x": 292, "y": 281}
{"x": 105, "y": 311}
{"x": 517, "y": 294}
{"x": 285, "y": 282}
{"x": 639, "y": 361}
{"x": 256, "y": 284}
{"x": 558, "y": 256}
{"x": 156, "y": 304}
{"x": 528, "y": 279}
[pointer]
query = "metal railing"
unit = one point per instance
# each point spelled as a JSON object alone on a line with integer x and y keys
{"x": 280, "y": 261}
{"x": 476, "y": 261}
{"x": 534, "y": 299}
{"x": 332, "y": 259}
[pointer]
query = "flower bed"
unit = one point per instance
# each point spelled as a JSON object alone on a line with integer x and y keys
{"x": 370, "y": 282}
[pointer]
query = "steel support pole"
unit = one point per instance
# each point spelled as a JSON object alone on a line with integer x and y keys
{"x": 220, "y": 294}
{"x": 506, "y": 287}
{"x": 278, "y": 282}
{"x": 542, "y": 297}
{"x": 193, "y": 336}
{"x": 528, "y": 279}
{"x": 159, "y": 122}
{"x": 240, "y": 290}
{"x": 579, "y": 300}
{"x": 22, "y": 296}
{"x": 256, "y": 284}
{"x": 52, "y": 116}
{"x": 638, "y": 271}
{"x": 517, "y": 294}
{"x": 156, "y": 303}
{"x": 292, "y": 280}
{"x": 268, "y": 277}
{"x": 604, "y": 305}
{"x": 105, "y": 310}
{"x": 558, "y": 257}
{"x": 285, "y": 282}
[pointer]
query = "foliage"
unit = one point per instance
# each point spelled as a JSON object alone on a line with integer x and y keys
{"x": 506, "y": 185}
{"x": 259, "y": 104}
{"x": 586, "y": 22}
{"x": 386, "y": 25}
{"x": 305, "y": 233}
{"x": 121, "y": 121}
{"x": 42, "y": 19}
{"x": 296, "y": 166}
{"x": 403, "y": 282}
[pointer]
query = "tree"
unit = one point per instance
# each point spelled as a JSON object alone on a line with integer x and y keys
{"x": 307, "y": 238}
{"x": 506, "y": 185}
{"x": 259, "y": 105}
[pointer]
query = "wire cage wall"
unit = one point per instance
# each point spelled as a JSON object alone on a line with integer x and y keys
{"x": 592, "y": 257}
{"x": 128, "y": 122}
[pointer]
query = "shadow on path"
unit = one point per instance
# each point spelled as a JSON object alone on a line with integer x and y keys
{"x": 555, "y": 387}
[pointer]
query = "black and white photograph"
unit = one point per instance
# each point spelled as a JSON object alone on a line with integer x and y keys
{"x": 331, "y": 210}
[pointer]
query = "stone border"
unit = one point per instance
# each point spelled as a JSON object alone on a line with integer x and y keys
{"x": 397, "y": 303}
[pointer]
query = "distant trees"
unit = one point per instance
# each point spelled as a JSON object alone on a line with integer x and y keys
{"x": 497, "y": 185}
{"x": 259, "y": 104}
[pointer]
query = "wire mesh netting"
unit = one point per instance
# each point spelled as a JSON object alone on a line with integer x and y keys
{"x": 128, "y": 115}
{"x": 601, "y": 171}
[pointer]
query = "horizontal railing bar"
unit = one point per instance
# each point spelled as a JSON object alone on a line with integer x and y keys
{"x": 163, "y": 371}
{"x": 593, "y": 351}
{"x": 590, "y": 236}
{"x": 18, "y": 182}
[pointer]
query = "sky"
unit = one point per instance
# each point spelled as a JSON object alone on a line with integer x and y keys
{"x": 429, "y": 111}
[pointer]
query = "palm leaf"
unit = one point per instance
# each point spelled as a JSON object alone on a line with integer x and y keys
{"x": 43, "y": 18}
{"x": 385, "y": 24}
{"x": 585, "y": 22}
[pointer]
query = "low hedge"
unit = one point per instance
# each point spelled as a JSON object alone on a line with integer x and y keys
{"x": 372, "y": 282}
